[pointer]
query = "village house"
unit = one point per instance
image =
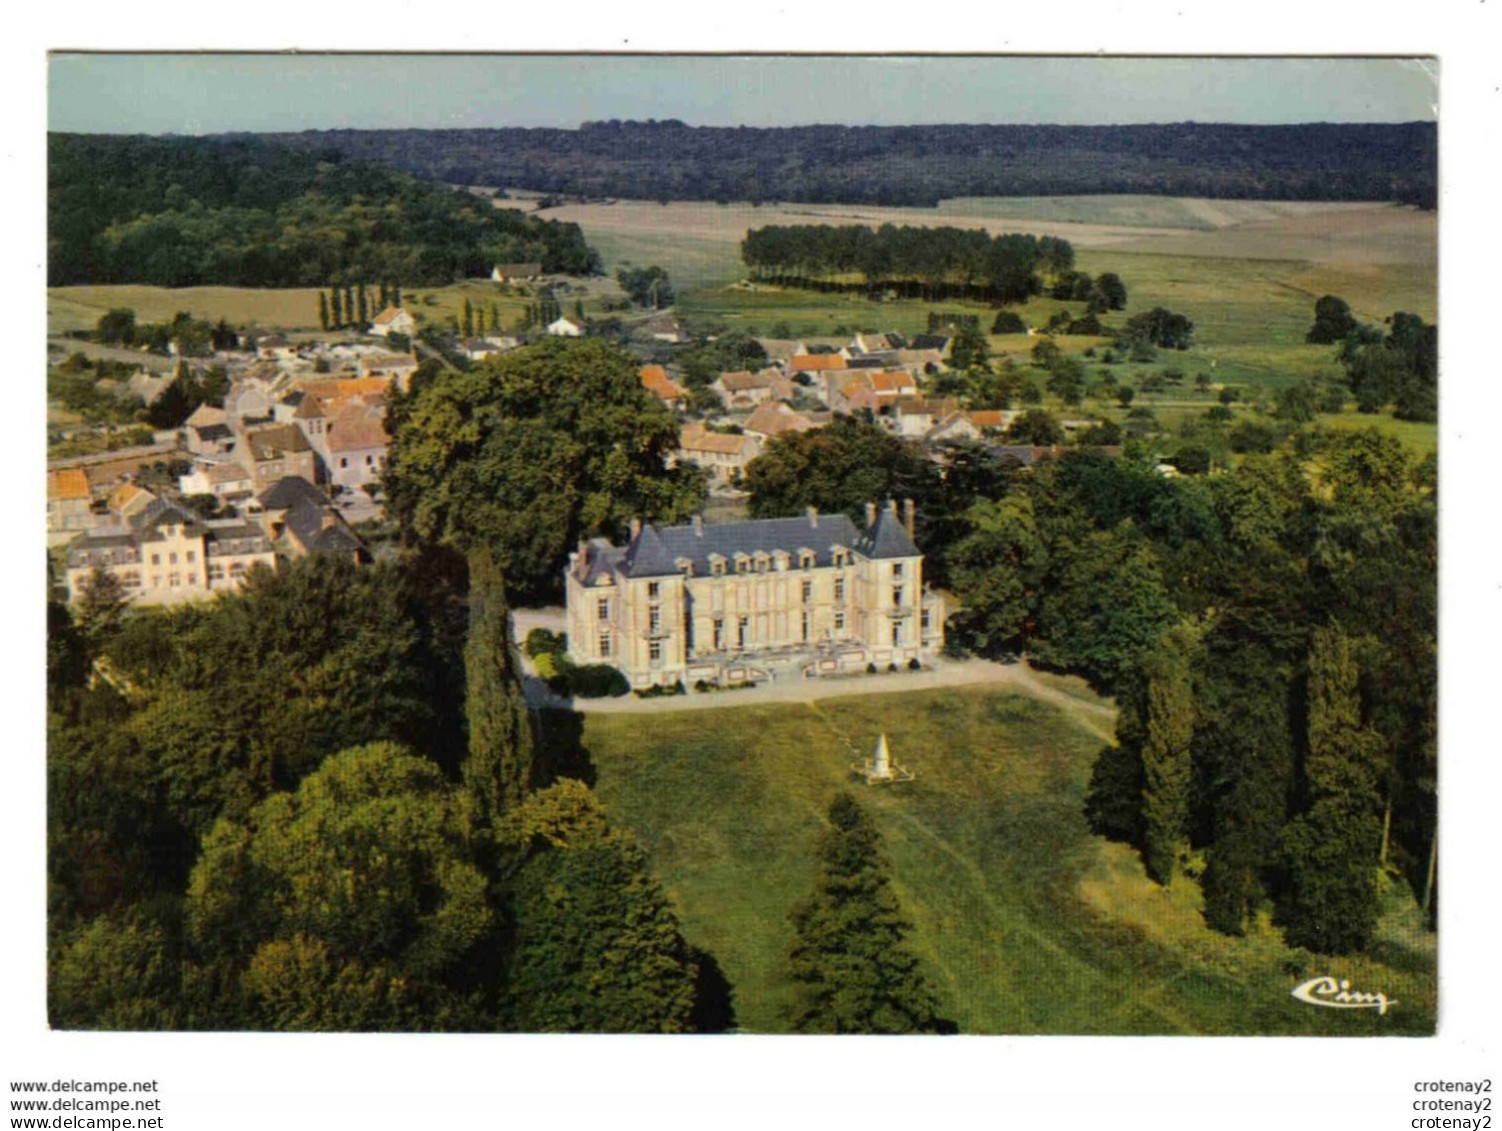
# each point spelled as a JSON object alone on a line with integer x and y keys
{"x": 299, "y": 518}
{"x": 393, "y": 320}
{"x": 565, "y": 328}
{"x": 69, "y": 500}
{"x": 397, "y": 367}
{"x": 781, "y": 350}
{"x": 273, "y": 453}
{"x": 743, "y": 601}
{"x": 774, "y": 419}
{"x": 972, "y": 425}
{"x": 860, "y": 390}
{"x": 223, "y": 478}
{"x": 356, "y": 445}
{"x": 655, "y": 380}
{"x": 515, "y": 272}
{"x": 665, "y": 328}
{"x": 126, "y": 501}
{"x": 743, "y": 389}
{"x": 724, "y": 455}
{"x": 873, "y": 343}
{"x": 164, "y": 554}
{"x": 913, "y": 417}
{"x": 478, "y": 349}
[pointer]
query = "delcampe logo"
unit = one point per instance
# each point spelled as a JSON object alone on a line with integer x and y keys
{"x": 1332, "y": 994}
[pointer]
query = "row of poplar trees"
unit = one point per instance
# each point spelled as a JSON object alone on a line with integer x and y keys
{"x": 348, "y": 305}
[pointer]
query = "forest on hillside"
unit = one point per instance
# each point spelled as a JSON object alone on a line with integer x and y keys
{"x": 915, "y": 165}
{"x": 177, "y": 212}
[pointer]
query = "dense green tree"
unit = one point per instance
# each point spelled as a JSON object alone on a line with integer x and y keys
{"x": 596, "y": 946}
{"x": 1112, "y": 290}
{"x": 997, "y": 569}
{"x": 1332, "y": 849}
{"x": 1037, "y": 427}
{"x": 1244, "y": 749}
{"x": 1008, "y": 322}
{"x": 1333, "y": 321}
{"x": 306, "y": 897}
{"x": 969, "y": 348}
{"x": 100, "y": 609}
{"x": 249, "y": 212}
{"x": 1159, "y": 327}
{"x": 347, "y": 654}
{"x": 113, "y": 974}
{"x": 1066, "y": 379}
{"x": 498, "y": 767}
{"x": 852, "y": 968}
{"x": 1104, "y": 606}
{"x": 118, "y": 327}
{"x": 841, "y": 467}
{"x": 646, "y": 286}
{"x": 532, "y": 451}
{"x": 1166, "y": 756}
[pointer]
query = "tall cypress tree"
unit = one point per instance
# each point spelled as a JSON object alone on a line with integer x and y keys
{"x": 338, "y": 309}
{"x": 853, "y": 969}
{"x": 1332, "y": 850}
{"x": 396, "y": 294}
{"x": 385, "y": 295}
{"x": 497, "y": 770}
{"x": 1249, "y": 747}
{"x": 349, "y": 305}
{"x": 364, "y": 316}
{"x": 323, "y": 310}
{"x": 469, "y": 319}
{"x": 495, "y": 318}
{"x": 1165, "y": 758}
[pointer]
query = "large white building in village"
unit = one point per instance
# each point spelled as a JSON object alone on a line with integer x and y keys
{"x": 728, "y": 602}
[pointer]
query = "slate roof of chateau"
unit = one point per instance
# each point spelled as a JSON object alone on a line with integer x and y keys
{"x": 656, "y": 552}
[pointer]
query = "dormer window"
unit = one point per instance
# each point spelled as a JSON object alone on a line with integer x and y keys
{"x": 841, "y": 556}
{"x": 742, "y": 563}
{"x": 684, "y": 566}
{"x": 806, "y": 559}
{"x": 717, "y": 565}
{"x": 762, "y": 562}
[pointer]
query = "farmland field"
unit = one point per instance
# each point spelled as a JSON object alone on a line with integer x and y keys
{"x": 294, "y": 309}
{"x": 1025, "y": 922}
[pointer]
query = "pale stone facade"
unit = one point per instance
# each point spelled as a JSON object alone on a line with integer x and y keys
{"x": 811, "y": 595}
{"x": 164, "y": 555}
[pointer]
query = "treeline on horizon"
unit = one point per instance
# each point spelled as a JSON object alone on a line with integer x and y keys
{"x": 916, "y": 165}
{"x": 175, "y": 212}
{"x": 932, "y": 263}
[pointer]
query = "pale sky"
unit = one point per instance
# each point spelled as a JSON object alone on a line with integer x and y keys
{"x": 209, "y": 93}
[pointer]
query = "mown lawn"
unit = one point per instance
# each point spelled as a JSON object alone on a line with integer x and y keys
{"x": 1026, "y": 922}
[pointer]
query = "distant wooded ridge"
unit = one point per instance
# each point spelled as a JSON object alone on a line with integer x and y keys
{"x": 916, "y": 165}
{"x": 243, "y": 211}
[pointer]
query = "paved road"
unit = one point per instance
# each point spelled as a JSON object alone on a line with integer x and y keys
{"x": 1095, "y": 716}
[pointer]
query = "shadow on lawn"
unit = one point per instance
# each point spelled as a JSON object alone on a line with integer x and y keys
{"x": 561, "y": 752}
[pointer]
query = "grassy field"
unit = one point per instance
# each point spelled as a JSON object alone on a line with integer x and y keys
{"x": 295, "y": 309}
{"x": 1026, "y": 922}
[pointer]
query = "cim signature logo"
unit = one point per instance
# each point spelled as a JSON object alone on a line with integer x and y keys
{"x": 1332, "y": 994}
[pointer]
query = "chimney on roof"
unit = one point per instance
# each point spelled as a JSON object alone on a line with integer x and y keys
{"x": 909, "y": 516}
{"x": 698, "y": 526}
{"x": 813, "y": 517}
{"x": 635, "y": 527}
{"x": 870, "y": 515}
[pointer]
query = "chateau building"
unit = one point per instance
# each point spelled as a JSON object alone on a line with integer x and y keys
{"x": 811, "y": 595}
